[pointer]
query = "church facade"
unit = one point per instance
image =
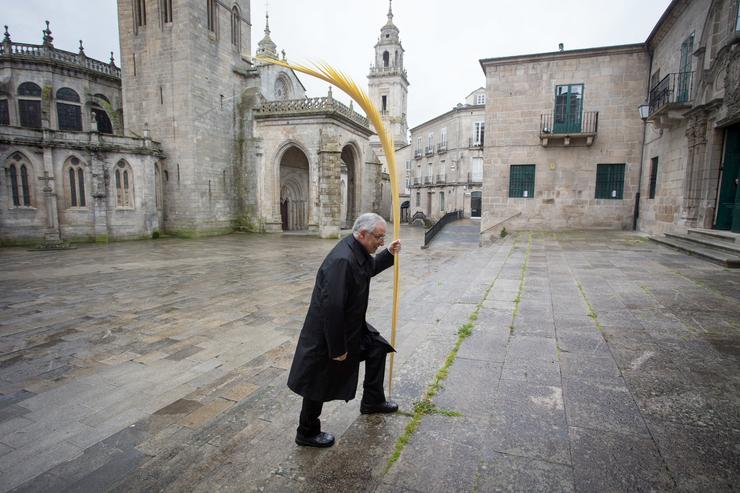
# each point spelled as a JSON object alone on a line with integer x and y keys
{"x": 191, "y": 136}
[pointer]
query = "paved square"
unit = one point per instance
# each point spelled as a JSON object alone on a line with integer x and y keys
{"x": 598, "y": 361}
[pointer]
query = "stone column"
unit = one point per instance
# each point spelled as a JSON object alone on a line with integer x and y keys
{"x": 330, "y": 198}
{"x": 53, "y": 230}
{"x": 100, "y": 177}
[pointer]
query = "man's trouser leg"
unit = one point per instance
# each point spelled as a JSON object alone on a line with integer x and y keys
{"x": 309, "y": 424}
{"x": 374, "y": 357}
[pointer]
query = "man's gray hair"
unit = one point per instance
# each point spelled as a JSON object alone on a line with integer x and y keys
{"x": 366, "y": 222}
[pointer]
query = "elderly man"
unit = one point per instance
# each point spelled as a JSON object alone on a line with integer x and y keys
{"x": 335, "y": 336}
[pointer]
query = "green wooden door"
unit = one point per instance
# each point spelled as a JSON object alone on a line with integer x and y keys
{"x": 728, "y": 210}
{"x": 568, "y": 108}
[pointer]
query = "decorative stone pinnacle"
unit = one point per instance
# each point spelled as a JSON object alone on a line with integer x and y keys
{"x": 329, "y": 96}
{"x": 82, "y": 50}
{"x": 112, "y": 61}
{"x": 390, "y": 10}
{"x": 47, "y": 36}
{"x": 7, "y": 36}
{"x": 267, "y": 23}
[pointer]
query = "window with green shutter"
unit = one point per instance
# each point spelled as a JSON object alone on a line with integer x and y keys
{"x": 653, "y": 176}
{"x": 609, "y": 181}
{"x": 521, "y": 180}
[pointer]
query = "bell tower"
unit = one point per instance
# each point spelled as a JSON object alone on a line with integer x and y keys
{"x": 387, "y": 82}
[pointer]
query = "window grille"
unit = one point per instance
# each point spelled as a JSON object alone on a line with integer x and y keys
{"x": 653, "y": 176}
{"x": 609, "y": 181}
{"x": 521, "y": 180}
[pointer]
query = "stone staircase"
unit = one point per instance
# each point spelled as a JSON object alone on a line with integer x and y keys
{"x": 721, "y": 247}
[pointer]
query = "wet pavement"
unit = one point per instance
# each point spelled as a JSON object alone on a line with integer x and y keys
{"x": 597, "y": 362}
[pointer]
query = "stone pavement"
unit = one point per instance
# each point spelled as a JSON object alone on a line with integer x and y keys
{"x": 597, "y": 361}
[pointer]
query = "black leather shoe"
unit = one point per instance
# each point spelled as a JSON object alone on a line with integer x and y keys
{"x": 383, "y": 407}
{"x": 321, "y": 440}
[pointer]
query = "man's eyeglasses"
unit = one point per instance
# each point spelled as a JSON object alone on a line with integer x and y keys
{"x": 378, "y": 237}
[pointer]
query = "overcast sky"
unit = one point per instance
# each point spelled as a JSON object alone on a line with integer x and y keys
{"x": 443, "y": 40}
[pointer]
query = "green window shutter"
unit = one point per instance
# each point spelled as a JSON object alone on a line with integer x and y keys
{"x": 521, "y": 180}
{"x": 610, "y": 181}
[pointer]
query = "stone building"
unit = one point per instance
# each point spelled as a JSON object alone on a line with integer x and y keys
{"x": 190, "y": 137}
{"x": 444, "y": 169}
{"x": 567, "y": 148}
{"x": 68, "y": 170}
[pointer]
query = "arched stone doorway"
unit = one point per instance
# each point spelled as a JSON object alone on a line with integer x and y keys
{"x": 294, "y": 190}
{"x": 349, "y": 186}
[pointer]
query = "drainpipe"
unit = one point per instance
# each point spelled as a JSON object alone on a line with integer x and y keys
{"x": 636, "y": 213}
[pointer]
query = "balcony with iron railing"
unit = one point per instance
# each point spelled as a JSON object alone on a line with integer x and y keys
{"x": 669, "y": 98}
{"x": 442, "y": 148}
{"x": 475, "y": 143}
{"x": 566, "y": 129}
{"x": 417, "y": 181}
{"x": 429, "y": 150}
{"x": 428, "y": 180}
{"x": 442, "y": 178}
{"x": 418, "y": 154}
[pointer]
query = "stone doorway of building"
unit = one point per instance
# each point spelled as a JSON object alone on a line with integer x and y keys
{"x": 349, "y": 186}
{"x": 294, "y": 171}
{"x": 475, "y": 204}
{"x": 728, "y": 206}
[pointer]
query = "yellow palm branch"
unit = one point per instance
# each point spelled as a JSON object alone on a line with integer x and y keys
{"x": 329, "y": 74}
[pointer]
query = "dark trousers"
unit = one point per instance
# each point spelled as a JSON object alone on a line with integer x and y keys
{"x": 309, "y": 424}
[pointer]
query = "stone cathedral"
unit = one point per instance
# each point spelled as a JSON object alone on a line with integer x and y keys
{"x": 190, "y": 136}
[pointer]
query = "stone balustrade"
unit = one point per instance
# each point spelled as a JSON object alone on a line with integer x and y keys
{"x": 44, "y": 53}
{"x": 312, "y": 106}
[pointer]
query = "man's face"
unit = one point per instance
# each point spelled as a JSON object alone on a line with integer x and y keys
{"x": 373, "y": 240}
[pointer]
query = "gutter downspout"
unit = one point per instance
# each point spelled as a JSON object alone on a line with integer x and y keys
{"x": 636, "y": 213}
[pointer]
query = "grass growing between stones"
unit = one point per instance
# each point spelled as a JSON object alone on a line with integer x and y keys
{"x": 425, "y": 406}
{"x": 591, "y": 312}
{"x": 518, "y": 298}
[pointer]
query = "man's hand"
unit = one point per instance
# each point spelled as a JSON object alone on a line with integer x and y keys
{"x": 395, "y": 247}
{"x": 341, "y": 358}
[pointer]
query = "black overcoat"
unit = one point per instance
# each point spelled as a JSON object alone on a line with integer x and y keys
{"x": 335, "y": 324}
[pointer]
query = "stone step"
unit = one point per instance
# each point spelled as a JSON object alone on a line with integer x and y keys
{"x": 716, "y": 234}
{"x": 720, "y": 257}
{"x": 708, "y": 241}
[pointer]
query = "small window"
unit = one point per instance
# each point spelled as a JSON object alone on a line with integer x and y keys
{"x": 479, "y": 130}
{"x": 521, "y": 180}
{"x": 480, "y": 99}
{"x": 442, "y": 201}
{"x": 418, "y": 199}
{"x": 443, "y": 137}
{"x": 124, "y": 181}
{"x": 386, "y": 59}
{"x": 20, "y": 173}
{"x": 212, "y": 14}
{"x": 165, "y": 7}
{"x": 4, "y": 112}
{"x": 609, "y": 181}
{"x": 236, "y": 28}
{"x": 29, "y": 105}
{"x": 385, "y": 103}
{"x": 140, "y": 13}
{"x": 74, "y": 183}
{"x": 653, "y": 176}
{"x": 476, "y": 171}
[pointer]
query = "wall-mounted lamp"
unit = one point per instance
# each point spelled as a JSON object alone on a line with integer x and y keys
{"x": 644, "y": 110}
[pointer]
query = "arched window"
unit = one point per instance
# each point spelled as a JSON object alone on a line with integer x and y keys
{"x": 74, "y": 183}
{"x": 282, "y": 92}
{"x": 69, "y": 110}
{"x": 165, "y": 9}
{"x": 20, "y": 173}
{"x": 100, "y": 114}
{"x": 140, "y": 13}
{"x": 29, "y": 105}
{"x": 124, "y": 180}
{"x": 212, "y": 14}
{"x": 4, "y": 111}
{"x": 386, "y": 59}
{"x": 236, "y": 27}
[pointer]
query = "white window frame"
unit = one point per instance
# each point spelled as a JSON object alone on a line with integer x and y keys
{"x": 479, "y": 129}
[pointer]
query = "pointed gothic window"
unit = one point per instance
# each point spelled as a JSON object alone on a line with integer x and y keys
{"x": 29, "y": 105}
{"x": 140, "y": 13}
{"x": 124, "y": 181}
{"x": 212, "y": 14}
{"x": 74, "y": 183}
{"x": 236, "y": 28}
{"x": 69, "y": 110}
{"x": 19, "y": 171}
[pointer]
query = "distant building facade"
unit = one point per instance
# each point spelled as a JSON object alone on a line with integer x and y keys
{"x": 190, "y": 137}
{"x": 444, "y": 162}
{"x": 567, "y": 148}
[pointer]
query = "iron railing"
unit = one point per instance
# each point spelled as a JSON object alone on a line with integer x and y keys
{"x": 417, "y": 153}
{"x": 437, "y": 227}
{"x": 674, "y": 88}
{"x": 429, "y": 150}
{"x": 442, "y": 148}
{"x": 440, "y": 179}
{"x": 428, "y": 180}
{"x": 586, "y": 122}
{"x": 475, "y": 144}
{"x": 417, "y": 181}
